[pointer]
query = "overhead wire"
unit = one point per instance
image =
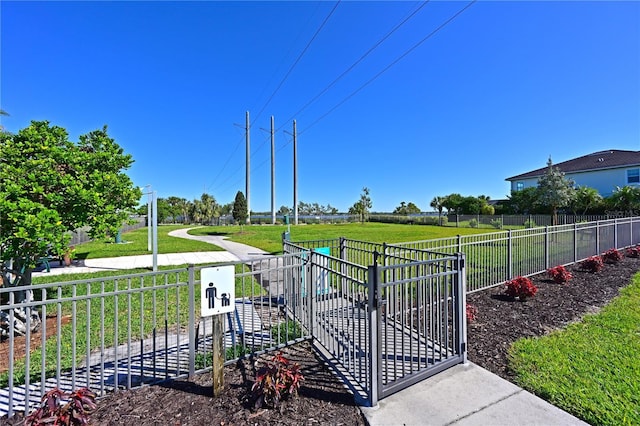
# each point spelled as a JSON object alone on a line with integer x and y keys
{"x": 362, "y": 57}
{"x": 385, "y": 69}
{"x": 286, "y": 76}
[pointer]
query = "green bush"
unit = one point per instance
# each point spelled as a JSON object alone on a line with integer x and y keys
{"x": 473, "y": 223}
{"x": 496, "y": 223}
{"x": 529, "y": 223}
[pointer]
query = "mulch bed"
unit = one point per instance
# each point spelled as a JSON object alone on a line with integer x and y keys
{"x": 324, "y": 400}
{"x": 501, "y": 321}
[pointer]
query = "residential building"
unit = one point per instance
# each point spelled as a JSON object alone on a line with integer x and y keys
{"x": 603, "y": 171}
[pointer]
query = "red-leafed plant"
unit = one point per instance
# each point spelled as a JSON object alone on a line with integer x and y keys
{"x": 276, "y": 381}
{"x": 559, "y": 274}
{"x": 633, "y": 252}
{"x": 472, "y": 312}
{"x": 520, "y": 287}
{"x": 62, "y": 408}
{"x": 612, "y": 256}
{"x": 592, "y": 264}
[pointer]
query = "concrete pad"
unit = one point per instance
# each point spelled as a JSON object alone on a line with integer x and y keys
{"x": 465, "y": 394}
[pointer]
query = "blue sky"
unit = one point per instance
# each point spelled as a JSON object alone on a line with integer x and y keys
{"x": 491, "y": 94}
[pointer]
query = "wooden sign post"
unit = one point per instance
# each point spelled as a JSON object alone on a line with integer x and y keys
{"x": 217, "y": 297}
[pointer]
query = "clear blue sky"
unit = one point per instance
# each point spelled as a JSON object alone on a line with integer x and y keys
{"x": 492, "y": 94}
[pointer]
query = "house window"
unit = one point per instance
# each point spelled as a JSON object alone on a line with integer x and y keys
{"x": 633, "y": 176}
{"x": 519, "y": 186}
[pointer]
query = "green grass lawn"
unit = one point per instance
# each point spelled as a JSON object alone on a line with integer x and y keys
{"x": 136, "y": 242}
{"x": 269, "y": 238}
{"x": 143, "y": 307}
{"x": 592, "y": 368}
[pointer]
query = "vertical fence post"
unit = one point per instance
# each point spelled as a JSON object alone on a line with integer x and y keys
{"x": 615, "y": 233}
{"x": 308, "y": 286}
{"x": 597, "y": 237}
{"x": 343, "y": 265}
{"x": 546, "y": 247}
{"x": 459, "y": 243}
{"x": 460, "y": 289}
{"x": 509, "y": 255}
{"x": 575, "y": 241}
{"x": 192, "y": 322}
{"x": 374, "y": 372}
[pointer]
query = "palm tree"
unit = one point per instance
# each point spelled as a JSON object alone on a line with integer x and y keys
{"x": 436, "y": 204}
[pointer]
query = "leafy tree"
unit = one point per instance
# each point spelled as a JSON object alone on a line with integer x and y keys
{"x": 226, "y": 209}
{"x": 436, "y": 204}
{"x": 524, "y": 201}
{"x": 406, "y": 209}
{"x": 163, "y": 209}
{"x": 49, "y": 186}
{"x": 626, "y": 199}
{"x": 361, "y": 207}
{"x": 586, "y": 199}
{"x": 240, "y": 213}
{"x": 471, "y": 205}
{"x": 554, "y": 190}
{"x": 452, "y": 203}
{"x": 283, "y": 210}
{"x": 177, "y": 208}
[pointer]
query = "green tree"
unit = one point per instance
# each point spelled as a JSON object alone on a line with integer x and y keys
{"x": 555, "y": 191}
{"x": 436, "y": 204}
{"x": 471, "y": 205}
{"x": 361, "y": 207}
{"x": 49, "y": 186}
{"x": 406, "y": 209}
{"x": 586, "y": 199}
{"x": 240, "y": 213}
{"x": 452, "y": 203}
{"x": 524, "y": 201}
{"x": 625, "y": 199}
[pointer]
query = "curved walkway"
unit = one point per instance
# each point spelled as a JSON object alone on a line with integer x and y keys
{"x": 241, "y": 251}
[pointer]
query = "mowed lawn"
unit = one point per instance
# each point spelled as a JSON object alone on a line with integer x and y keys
{"x": 269, "y": 238}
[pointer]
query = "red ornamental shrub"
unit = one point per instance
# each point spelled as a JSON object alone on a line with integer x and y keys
{"x": 592, "y": 264}
{"x": 612, "y": 256}
{"x": 520, "y": 287}
{"x": 559, "y": 274}
{"x": 633, "y": 252}
{"x": 275, "y": 381}
{"x": 472, "y": 312}
{"x": 62, "y": 408}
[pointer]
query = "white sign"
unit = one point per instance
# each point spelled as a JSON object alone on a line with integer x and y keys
{"x": 217, "y": 290}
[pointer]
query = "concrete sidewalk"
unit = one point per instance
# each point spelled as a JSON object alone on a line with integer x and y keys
{"x": 141, "y": 261}
{"x": 466, "y": 394}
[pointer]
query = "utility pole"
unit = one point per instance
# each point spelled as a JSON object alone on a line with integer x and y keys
{"x": 247, "y": 193}
{"x": 273, "y": 173}
{"x": 149, "y": 217}
{"x": 295, "y": 175}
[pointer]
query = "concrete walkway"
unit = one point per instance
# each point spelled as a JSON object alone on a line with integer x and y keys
{"x": 465, "y": 394}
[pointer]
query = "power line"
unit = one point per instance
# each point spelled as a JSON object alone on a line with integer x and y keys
{"x": 385, "y": 69}
{"x": 297, "y": 60}
{"x": 371, "y": 49}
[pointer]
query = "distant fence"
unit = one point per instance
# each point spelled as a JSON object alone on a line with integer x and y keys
{"x": 81, "y": 235}
{"x": 528, "y": 220}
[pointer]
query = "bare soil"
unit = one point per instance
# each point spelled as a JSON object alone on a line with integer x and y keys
{"x": 324, "y": 400}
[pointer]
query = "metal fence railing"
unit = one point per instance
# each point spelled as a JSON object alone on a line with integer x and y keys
{"x": 494, "y": 258}
{"x": 129, "y": 330}
{"x": 391, "y": 323}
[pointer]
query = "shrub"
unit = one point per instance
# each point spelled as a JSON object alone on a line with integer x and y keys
{"x": 529, "y": 223}
{"x": 633, "y": 252}
{"x": 286, "y": 331}
{"x": 275, "y": 381}
{"x": 559, "y": 274}
{"x": 496, "y": 223}
{"x": 520, "y": 287}
{"x": 472, "y": 312}
{"x": 473, "y": 223}
{"x": 61, "y": 408}
{"x": 592, "y": 264}
{"x": 612, "y": 256}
